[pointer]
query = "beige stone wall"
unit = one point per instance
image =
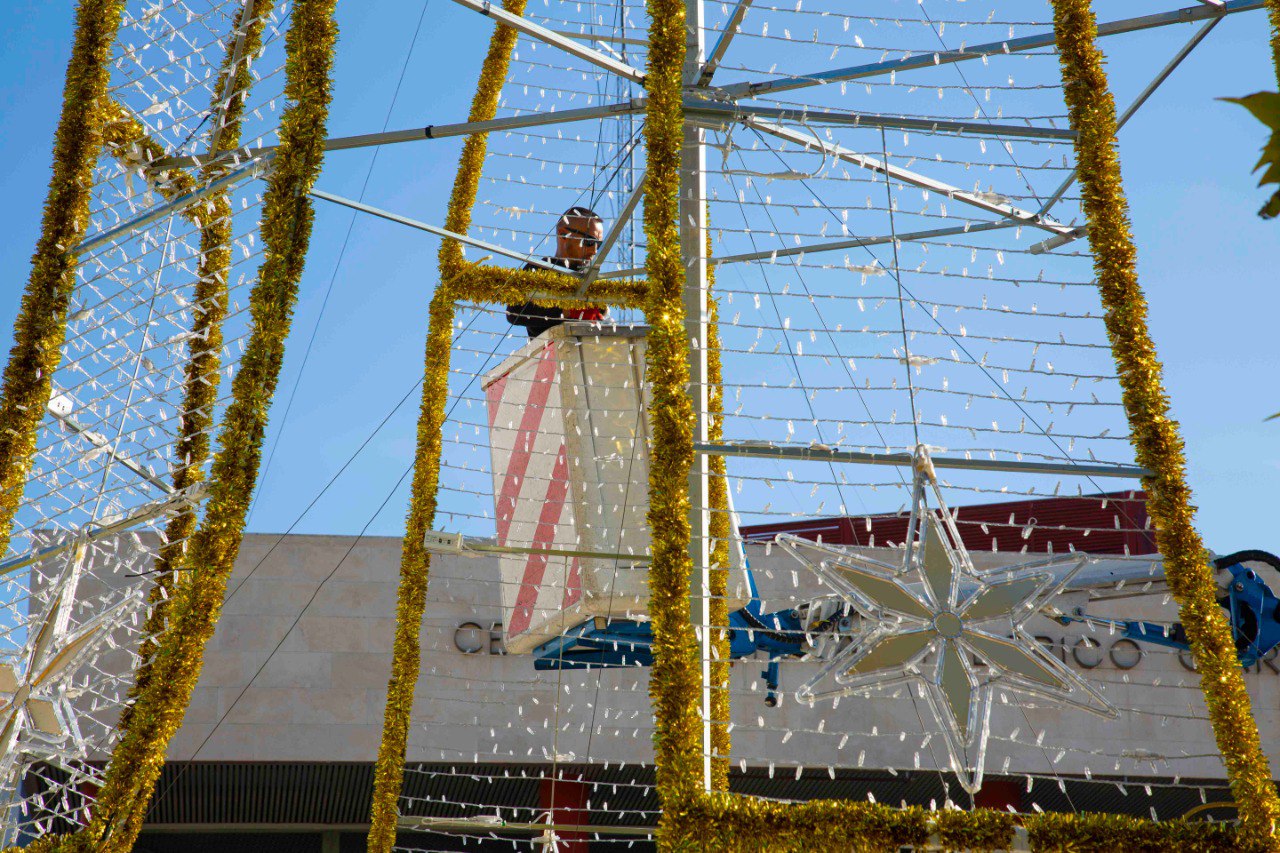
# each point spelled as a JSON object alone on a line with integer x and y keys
{"x": 319, "y": 697}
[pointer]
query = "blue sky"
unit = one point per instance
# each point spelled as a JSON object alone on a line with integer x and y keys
{"x": 1205, "y": 258}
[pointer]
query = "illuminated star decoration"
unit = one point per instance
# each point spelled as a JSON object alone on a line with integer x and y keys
{"x": 35, "y": 705}
{"x": 927, "y": 621}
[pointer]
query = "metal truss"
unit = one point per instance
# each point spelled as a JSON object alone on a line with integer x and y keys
{"x": 568, "y": 45}
{"x": 706, "y": 106}
{"x": 701, "y": 109}
{"x": 722, "y": 43}
{"x": 722, "y": 116}
{"x": 430, "y": 131}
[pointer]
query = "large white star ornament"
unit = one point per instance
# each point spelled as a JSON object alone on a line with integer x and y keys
{"x": 937, "y": 622}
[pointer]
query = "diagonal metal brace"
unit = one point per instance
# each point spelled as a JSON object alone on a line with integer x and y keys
{"x": 568, "y": 45}
{"x": 177, "y": 205}
{"x": 907, "y": 176}
{"x": 60, "y": 408}
{"x": 176, "y": 502}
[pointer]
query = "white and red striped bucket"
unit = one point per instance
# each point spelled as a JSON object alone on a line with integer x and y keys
{"x": 569, "y": 444}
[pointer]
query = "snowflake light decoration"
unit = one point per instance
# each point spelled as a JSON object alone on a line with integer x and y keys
{"x": 937, "y": 622}
{"x": 36, "y": 715}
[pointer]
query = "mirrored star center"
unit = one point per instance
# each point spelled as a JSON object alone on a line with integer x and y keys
{"x": 948, "y": 625}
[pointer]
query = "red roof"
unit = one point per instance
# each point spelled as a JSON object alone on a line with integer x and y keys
{"x": 1108, "y": 523}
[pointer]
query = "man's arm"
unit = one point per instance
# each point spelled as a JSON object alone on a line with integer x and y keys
{"x": 535, "y": 318}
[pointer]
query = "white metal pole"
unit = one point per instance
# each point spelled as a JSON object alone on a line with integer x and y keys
{"x": 693, "y": 251}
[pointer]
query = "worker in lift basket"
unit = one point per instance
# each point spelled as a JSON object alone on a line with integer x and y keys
{"x": 579, "y": 234}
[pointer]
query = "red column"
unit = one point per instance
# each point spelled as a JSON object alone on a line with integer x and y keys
{"x": 565, "y": 799}
{"x": 999, "y": 794}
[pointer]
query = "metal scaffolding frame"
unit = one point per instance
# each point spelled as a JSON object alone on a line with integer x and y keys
{"x": 768, "y": 119}
{"x": 703, "y": 111}
{"x": 708, "y": 106}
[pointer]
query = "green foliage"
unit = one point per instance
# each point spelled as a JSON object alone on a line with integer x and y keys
{"x": 1266, "y": 106}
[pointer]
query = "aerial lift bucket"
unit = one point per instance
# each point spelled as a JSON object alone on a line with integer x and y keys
{"x": 569, "y": 443}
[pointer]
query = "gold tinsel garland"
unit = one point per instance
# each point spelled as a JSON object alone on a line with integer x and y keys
{"x": 42, "y": 323}
{"x": 977, "y": 830}
{"x": 209, "y": 306}
{"x": 415, "y": 562}
{"x": 286, "y": 226}
{"x": 720, "y": 822}
{"x": 484, "y": 105}
{"x": 675, "y": 679}
{"x": 721, "y": 531}
{"x": 1273, "y": 10}
{"x": 1154, "y": 435}
{"x": 1065, "y": 833}
{"x": 412, "y": 593}
{"x": 502, "y": 285}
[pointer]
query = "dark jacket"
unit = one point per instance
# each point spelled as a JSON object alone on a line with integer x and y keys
{"x": 538, "y": 318}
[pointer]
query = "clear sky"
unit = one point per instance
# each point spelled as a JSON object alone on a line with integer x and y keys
{"x": 1207, "y": 263}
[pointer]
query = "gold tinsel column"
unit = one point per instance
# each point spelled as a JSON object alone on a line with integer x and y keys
{"x": 286, "y": 227}
{"x": 415, "y": 562}
{"x": 209, "y": 307}
{"x": 675, "y": 680}
{"x": 42, "y": 324}
{"x": 1273, "y": 9}
{"x": 723, "y": 541}
{"x": 1154, "y": 435}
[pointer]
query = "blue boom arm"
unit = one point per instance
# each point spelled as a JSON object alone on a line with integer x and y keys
{"x": 1252, "y": 608}
{"x": 623, "y": 642}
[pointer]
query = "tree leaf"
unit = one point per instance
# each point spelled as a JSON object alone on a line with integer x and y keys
{"x": 1271, "y": 209}
{"x": 1264, "y": 105}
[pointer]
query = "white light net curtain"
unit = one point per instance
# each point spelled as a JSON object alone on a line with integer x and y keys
{"x": 552, "y": 747}
{"x": 884, "y": 286}
{"x": 949, "y": 328}
{"x": 532, "y": 176}
{"x": 100, "y": 493}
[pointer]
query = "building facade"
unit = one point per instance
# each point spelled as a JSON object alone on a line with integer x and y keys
{"x": 277, "y": 747}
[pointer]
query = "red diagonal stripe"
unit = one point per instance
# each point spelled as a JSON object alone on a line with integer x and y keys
{"x": 544, "y": 535}
{"x": 518, "y": 463}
